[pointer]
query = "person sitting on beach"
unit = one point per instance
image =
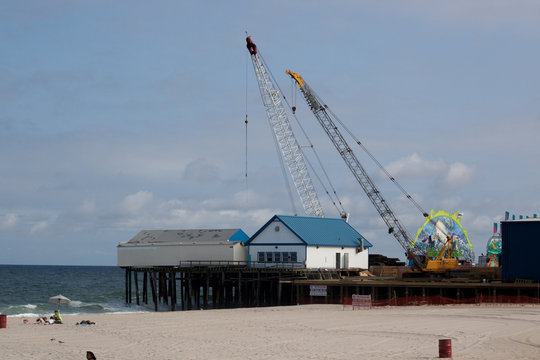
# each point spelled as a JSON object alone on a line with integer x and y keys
{"x": 57, "y": 317}
{"x": 90, "y": 355}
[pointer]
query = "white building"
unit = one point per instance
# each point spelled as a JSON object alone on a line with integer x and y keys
{"x": 173, "y": 247}
{"x": 308, "y": 242}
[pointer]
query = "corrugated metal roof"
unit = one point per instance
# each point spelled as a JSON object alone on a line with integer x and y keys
{"x": 198, "y": 236}
{"x": 316, "y": 231}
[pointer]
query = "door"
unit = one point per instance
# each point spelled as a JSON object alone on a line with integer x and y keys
{"x": 338, "y": 260}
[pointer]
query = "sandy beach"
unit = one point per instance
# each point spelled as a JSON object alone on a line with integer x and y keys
{"x": 296, "y": 332}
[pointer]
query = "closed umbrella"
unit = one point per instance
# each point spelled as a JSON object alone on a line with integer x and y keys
{"x": 59, "y": 299}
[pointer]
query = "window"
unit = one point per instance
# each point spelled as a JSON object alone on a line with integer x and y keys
{"x": 260, "y": 257}
{"x": 285, "y": 256}
{"x": 277, "y": 257}
{"x": 268, "y": 257}
{"x": 293, "y": 257}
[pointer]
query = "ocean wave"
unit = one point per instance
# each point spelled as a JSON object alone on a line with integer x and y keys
{"x": 76, "y": 303}
{"x": 25, "y": 315}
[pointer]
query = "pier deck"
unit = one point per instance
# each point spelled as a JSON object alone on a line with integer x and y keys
{"x": 207, "y": 285}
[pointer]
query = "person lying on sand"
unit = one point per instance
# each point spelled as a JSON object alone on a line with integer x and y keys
{"x": 85, "y": 322}
{"x": 42, "y": 321}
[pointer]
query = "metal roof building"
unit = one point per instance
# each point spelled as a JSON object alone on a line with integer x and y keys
{"x": 311, "y": 242}
{"x": 171, "y": 247}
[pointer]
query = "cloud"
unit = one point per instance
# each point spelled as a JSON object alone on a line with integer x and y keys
{"x": 458, "y": 174}
{"x": 40, "y": 226}
{"x": 88, "y": 207}
{"x": 134, "y": 203}
{"x": 481, "y": 223}
{"x": 8, "y": 221}
{"x": 449, "y": 175}
{"x": 143, "y": 210}
{"x": 202, "y": 171}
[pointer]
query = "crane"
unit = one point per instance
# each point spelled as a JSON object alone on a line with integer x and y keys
{"x": 320, "y": 111}
{"x": 286, "y": 140}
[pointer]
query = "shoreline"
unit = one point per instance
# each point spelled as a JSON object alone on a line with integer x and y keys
{"x": 301, "y": 332}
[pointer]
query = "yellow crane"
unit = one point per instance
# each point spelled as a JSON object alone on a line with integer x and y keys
{"x": 445, "y": 260}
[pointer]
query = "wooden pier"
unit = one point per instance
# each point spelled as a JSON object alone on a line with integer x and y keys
{"x": 206, "y": 285}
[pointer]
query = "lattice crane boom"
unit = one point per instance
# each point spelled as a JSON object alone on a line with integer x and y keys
{"x": 288, "y": 145}
{"x": 384, "y": 210}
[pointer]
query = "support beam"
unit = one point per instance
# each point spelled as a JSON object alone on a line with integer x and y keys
{"x": 206, "y": 289}
{"x": 171, "y": 290}
{"x": 189, "y": 291}
{"x": 145, "y": 288}
{"x": 258, "y": 292}
{"x": 153, "y": 285}
{"x": 126, "y": 286}
{"x": 137, "y": 287}
{"x": 279, "y": 289}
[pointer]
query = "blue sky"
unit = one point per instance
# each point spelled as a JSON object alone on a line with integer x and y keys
{"x": 129, "y": 115}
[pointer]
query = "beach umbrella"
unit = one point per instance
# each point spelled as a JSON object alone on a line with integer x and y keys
{"x": 59, "y": 299}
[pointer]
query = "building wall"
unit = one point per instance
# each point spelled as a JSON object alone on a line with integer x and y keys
{"x": 325, "y": 257}
{"x": 285, "y": 241}
{"x": 172, "y": 254}
{"x": 277, "y": 238}
{"x": 520, "y": 250}
{"x": 277, "y": 233}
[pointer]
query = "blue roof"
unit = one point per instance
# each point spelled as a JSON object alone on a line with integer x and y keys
{"x": 317, "y": 231}
{"x": 240, "y": 235}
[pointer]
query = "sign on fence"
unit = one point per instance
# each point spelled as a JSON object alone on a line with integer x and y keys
{"x": 317, "y": 290}
{"x": 361, "y": 301}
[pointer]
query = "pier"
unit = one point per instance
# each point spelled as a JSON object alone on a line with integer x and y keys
{"x": 229, "y": 284}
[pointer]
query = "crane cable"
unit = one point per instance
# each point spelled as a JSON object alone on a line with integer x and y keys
{"x": 398, "y": 185}
{"x": 340, "y": 211}
{"x": 340, "y": 208}
{"x": 246, "y": 122}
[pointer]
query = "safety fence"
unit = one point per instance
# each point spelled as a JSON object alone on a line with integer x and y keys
{"x": 427, "y": 300}
{"x": 442, "y": 300}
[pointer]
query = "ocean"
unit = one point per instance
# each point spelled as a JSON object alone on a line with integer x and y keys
{"x": 25, "y": 290}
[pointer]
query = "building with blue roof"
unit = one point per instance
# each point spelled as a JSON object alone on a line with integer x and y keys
{"x": 308, "y": 242}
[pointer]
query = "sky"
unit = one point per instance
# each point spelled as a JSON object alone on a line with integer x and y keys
{"x": 118, "y": 116}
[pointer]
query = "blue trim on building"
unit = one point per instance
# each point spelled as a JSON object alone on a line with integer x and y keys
{"x": 240, "y": 235}
{"x": 316, "y": 231}
{"x": 278, "y": 244}
{"x": 266, "y": 225}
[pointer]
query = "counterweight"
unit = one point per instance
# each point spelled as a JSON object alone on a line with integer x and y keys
{"x": 279, "y": 122}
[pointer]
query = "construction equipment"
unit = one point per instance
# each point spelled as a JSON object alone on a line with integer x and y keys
{"x": 443, "y": 261}
{"x": 279, "y": 122}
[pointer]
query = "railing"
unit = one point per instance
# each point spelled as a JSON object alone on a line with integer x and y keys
{"x": 235, "y": 263}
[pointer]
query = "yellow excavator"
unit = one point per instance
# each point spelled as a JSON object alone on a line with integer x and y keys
{"x": 444, "y": 260}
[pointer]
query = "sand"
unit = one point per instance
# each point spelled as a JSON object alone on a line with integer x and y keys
{"x": 296, "y": 332}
